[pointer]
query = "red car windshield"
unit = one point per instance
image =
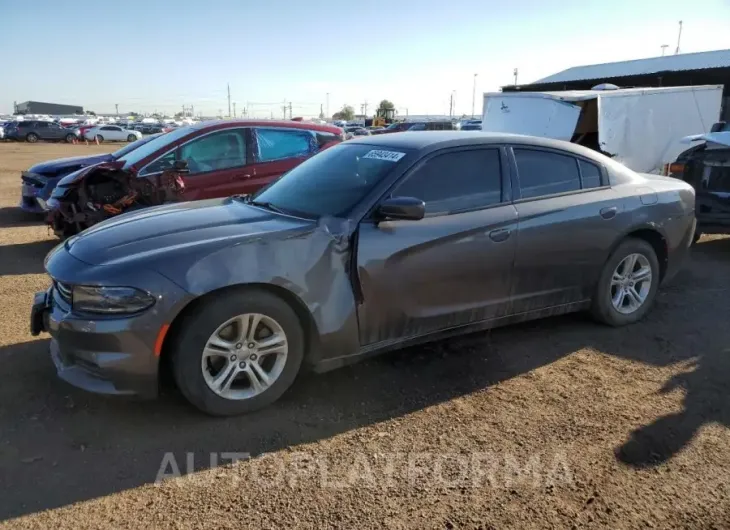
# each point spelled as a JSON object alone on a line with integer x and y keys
{"x": 150, "y": 147}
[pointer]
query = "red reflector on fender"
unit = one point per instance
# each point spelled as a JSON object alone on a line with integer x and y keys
{"x": 161, "y": 339}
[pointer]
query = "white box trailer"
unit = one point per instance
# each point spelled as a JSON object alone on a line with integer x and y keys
{"x": 640, "y": 127}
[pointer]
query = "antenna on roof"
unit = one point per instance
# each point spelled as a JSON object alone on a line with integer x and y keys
{"x": 679, "y": 38}
{"x": 664, "y": 48}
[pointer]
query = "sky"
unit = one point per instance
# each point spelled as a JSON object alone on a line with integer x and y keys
{"x": 158, "y": 55}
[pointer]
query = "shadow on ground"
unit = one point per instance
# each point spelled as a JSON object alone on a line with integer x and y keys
{"x": 61, "y": 446}
{"x": 14, "y": 216}
{"x": 706, "y": 384}
{"x": 25, "y": 258}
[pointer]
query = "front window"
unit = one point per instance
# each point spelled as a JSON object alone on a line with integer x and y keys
{"x": 332, "y": 182}
{"x": 154, "y": 145}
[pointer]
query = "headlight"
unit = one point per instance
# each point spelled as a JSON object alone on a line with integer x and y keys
{"x": 110, "y": 300}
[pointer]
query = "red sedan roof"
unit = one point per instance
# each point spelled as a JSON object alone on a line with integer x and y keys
{"x": 222, "y": 124}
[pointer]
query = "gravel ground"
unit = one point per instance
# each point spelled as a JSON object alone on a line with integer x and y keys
{"x": 561, "y": 423}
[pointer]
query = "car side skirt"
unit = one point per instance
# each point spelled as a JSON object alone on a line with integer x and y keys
{"x": 372, "y": 350}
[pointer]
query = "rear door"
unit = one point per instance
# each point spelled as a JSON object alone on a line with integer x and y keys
{"x": 568, "y": 219}
{"x": 277, "y": 150}
{"x": 451, "y": 268}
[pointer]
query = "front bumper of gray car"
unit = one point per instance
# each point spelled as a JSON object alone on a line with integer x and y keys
{"x": 106, "y": 355}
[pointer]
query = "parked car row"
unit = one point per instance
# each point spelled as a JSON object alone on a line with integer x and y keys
{"x": 359, "y": 248}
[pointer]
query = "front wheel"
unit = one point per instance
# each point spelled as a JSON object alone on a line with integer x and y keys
{"x": 99, "y": 138}
{"x": 131, "y": 138}
{"x": 238, "y": 352}
{"x": 627, "y": 285}
{"x": 31, "y": 138}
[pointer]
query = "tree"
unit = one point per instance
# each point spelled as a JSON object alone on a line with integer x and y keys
{"x": 91, "y": 113}
{"x": 347, "y": 113}
{"x": 179, "y": 115}
{"x": 386, "y": 105}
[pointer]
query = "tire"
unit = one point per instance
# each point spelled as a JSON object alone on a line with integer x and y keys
{"x": 696, "y": 237}
{"x": 131, "y": 138}
{"x": 70, "y": 138}
{"x": 603, "y": 308}
{"x": 201, "y": 325}
{"x": 31, "y": 138}
{"x": 99, "y": 138}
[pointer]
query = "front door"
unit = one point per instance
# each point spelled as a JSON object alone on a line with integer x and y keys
{"x": 216, "y": 163}
{"x": 568, "y": 219}
{"x": 449, "y": 269}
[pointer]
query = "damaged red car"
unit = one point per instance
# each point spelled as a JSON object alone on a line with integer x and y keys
{"x": 201, "y": 161}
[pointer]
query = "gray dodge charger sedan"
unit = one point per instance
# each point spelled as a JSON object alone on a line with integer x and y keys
{"x": 369, "y": 246}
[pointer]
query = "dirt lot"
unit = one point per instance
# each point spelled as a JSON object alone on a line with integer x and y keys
{"x": 560, "y": 423}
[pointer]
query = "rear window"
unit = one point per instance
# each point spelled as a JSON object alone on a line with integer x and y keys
{"x": 546, "y": 173}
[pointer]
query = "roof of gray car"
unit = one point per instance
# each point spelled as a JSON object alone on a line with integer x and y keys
{"x": 439, "y": 139}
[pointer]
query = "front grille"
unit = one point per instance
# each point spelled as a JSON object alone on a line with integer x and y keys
{"x": 64, "y": 291}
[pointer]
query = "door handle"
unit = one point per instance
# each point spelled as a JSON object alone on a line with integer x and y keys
{"x": 499, "y": 235}
{"x": 609, "y": 212}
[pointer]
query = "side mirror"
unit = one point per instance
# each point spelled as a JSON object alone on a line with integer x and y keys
{"x": 181, "y": 166}
{"x": 403, "y": 208}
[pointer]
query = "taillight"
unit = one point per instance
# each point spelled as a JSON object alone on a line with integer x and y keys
{"x": 676, "y": 168}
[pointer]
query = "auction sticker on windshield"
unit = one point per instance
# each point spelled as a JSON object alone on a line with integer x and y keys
{"x": 390, "y": 156}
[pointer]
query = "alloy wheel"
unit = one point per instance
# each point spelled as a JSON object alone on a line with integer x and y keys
{"x": 244, "y": 356}
{"x": 631, "y": 283}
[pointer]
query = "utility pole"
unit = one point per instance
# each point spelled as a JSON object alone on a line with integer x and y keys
{"x": 234, "y": 110}
{"x": 117, "y": 106}
{"x": 321, "y": 112}
{"x": 515, "y": 74}
{"x": 290, "y": 115}
{"x": 229, "y": 100}
{"x": 364, "y": 108}
{"x": 451, "y": 104}
{"x": 679, "y": 38}
{"x": 473, "y": 95}
{"x": 283, "y": 109}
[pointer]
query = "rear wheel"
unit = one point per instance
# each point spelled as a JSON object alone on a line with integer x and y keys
{"x": 70, "y": 138}
{"x": 31, "y": 137}
{"x": 99, "y": 138}
{"x": 238, "y": 352}
{"x": 131, "y": 138}
{"x": 628, "y": 284}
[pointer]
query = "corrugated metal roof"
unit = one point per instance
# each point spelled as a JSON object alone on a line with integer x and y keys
{"x": 668, "y": 63}
{"x": 581, "y": 95}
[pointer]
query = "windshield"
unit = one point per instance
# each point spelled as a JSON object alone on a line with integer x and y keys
{"x": 332, "y": 182}
{"x": 150, "y": 147}
{"x": 131, "y": 147}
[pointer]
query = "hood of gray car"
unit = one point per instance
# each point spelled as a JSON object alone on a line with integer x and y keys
{"x": 163, "y": 231}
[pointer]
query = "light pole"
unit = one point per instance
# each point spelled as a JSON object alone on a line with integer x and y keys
{"x": 473, "y": 95}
